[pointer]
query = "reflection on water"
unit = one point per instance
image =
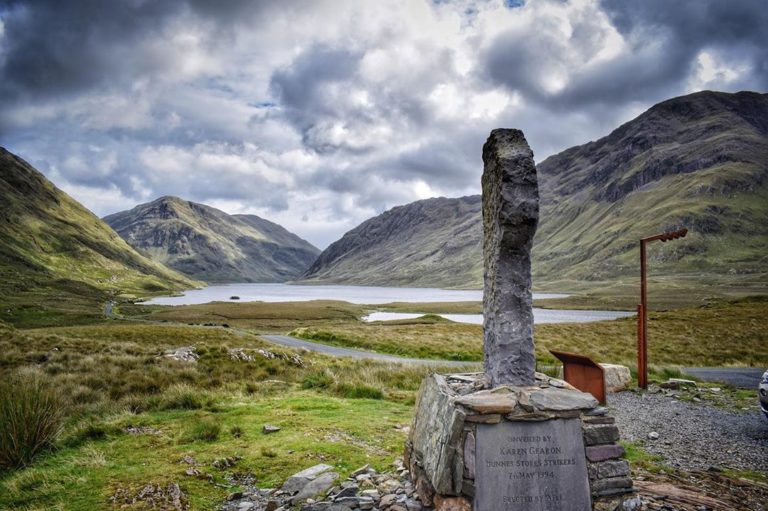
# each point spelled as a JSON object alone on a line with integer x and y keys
{"x": 352, "y": 294}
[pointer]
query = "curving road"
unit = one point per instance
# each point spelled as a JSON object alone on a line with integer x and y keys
{"x": 336, "y": 351}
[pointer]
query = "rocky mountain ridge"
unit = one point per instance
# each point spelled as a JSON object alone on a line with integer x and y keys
{"x": 698, "y": 161}
{"x": 208, "y": 244}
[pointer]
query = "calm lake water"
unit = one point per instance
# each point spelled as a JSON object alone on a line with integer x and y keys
{"x": 539, "y": 316}
{"x": 352, "y": 294}
{"x": 372, "y": 295}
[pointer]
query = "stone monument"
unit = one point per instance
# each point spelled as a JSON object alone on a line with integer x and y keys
{"x": 510, "y": 217}
{"x": 511, "y": 438}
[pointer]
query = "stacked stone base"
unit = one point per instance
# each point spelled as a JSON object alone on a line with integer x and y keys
{"x": 441, "y": 450}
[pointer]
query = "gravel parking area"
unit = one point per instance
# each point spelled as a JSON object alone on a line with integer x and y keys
{"x": 693, "y": 436}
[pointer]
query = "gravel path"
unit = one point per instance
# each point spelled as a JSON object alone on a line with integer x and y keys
{"x": 693, "y": 435}
{"x": 742, "y": 377}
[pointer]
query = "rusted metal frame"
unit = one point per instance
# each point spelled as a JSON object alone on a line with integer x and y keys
{"x": 642, "y": 309}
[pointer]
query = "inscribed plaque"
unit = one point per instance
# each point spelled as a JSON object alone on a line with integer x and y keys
{"x": 531, "y": 466}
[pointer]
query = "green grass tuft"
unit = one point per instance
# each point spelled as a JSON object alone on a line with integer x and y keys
{"x": 31, "y": 418}
{"x": 206, "y": 429}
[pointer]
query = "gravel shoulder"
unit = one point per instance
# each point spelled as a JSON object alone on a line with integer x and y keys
{"x": 693, "y": 436}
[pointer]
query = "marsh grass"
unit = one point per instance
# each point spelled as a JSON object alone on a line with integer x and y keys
{"x": 31, "y": 418}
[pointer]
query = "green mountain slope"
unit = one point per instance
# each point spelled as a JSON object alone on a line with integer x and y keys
{"x": 55, "y": 253}
{"x": 699, "y": 161}
{"x": 208, "y": 244}
{"x": 426, "y": 243}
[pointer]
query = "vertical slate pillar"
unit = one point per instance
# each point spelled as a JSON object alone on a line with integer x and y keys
{"x": 510, "y": 218}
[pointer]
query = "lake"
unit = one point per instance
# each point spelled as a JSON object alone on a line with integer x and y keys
{"x": 373, "y": 295}
{"x": 351, "y": 294}
{"x": 540, "y": 316}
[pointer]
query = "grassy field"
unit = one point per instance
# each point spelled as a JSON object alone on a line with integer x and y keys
{"x": 717, "y": 334}
{"x": 664, "y": 291}
{"x": 114, "y": 377}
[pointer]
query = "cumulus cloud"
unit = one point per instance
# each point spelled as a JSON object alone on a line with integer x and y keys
{"x": 318, "y": 115}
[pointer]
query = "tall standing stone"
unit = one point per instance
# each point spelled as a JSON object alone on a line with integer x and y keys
{"x": 510, "y": 218}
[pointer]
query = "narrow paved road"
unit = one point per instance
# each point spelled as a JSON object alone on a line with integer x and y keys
{"x": 335, "y": 351}
{"x": 742, "y": 377}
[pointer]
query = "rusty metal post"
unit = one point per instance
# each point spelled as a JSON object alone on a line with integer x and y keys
{"x": 642, "y": 309}
{"x": 642, "y": 381}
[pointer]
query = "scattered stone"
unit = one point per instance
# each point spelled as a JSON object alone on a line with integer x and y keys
{"x": 225, "y": 463}
{"x": 142, "y": 430}
{"x": 653, "y": 435}
{"x": 297, "y": 481}
{"x": 388, "y": 500}
{"x": 183, "y": 354}
{"x": 316, "y": 486}
{"x": 452, "y": 504}
{"x": 348, "y": 491}
{"x": 239, "y": 354}
{"x": 269, "y": 428}
{"x": 617, "y": 377}
{"x": 152, "y": 496}
{"x": 678, "y": 383}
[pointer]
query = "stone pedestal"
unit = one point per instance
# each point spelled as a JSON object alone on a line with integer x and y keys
{"x": 545, "y": 447}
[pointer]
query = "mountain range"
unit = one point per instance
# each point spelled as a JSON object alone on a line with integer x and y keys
{"x": 208, "y": 244}
{"x": 698, "y": 161}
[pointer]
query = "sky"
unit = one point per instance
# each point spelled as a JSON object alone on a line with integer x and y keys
{"x": 320, "y": 114}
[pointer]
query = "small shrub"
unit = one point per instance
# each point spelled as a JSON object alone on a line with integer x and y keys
{"x": 359, "y": 391}
{"x": 236, "y": 431}
{"x": 89, "y": 431}
{"x": 251, "y": 388}
{"x": 31, "y": 418}
{"x": 317, "y": 380}
{"x": 268, "y": 453}
{"x": 182, "y": 398}
{"x": 207, "y": 430}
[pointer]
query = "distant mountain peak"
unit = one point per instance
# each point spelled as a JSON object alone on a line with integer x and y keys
{"x": 211, "y": 245}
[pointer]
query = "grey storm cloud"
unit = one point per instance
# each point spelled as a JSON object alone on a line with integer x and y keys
{"x": 55, "y": 48}
{"x": 320, "y": 114}
{"x": 664, "y": 37}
